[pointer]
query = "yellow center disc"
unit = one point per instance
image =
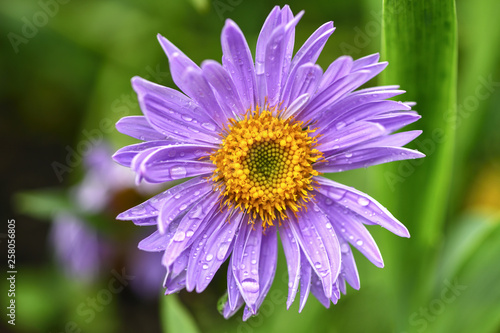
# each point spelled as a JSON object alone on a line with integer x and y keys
{"x": 265, "y": 165}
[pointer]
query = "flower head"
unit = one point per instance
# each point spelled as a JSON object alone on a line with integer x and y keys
{"x": 255, "y": 137}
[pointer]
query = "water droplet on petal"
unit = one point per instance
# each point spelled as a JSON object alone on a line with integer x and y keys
{"x": 363, "y": 201}
{"x": 359, "y": 242}
{"x": 344, "y": 248}
{"x": 340, "y": 125}
{"x": 179, "y": 236}
{"x": 178, "y": 172}
{"x": 250, "y": 285}
{"x": 208, "y": 126}
{"x": 209, "y": 257}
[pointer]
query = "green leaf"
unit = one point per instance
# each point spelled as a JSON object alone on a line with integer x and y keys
{"x": 174, "y": 317}
{"x": 42, "y": 204}
{"x": 420, "y": 43}
{"x": 465, "y": 238}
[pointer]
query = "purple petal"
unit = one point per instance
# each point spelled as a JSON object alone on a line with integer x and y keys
{"x": 153, "y": 220}
{"x": 156, "y": 241}
{"x": 394, "y": 140}
{"x": 394, "y": 121}
{"x": 234, "y": 298}
{"x": 318, "y": 291}
{"x": 125, "y": 155}
{"x": 190, "y": 227}
{"x": 199, "y": 90}
{"x": 228, "y": 312}
{"x": 305, "y": 280}
{"x": 215, "y": 251}
{"x": 365, "y": 61}
{"x": 347, "y": 225}
{"x": 307, "y": 78}
{"x": 237, "y": 61}
{"x": 310, "y": 51}
{"x": 246, "y": 254}
{"x": 365, "y": 157}
{"x": 322, "y": 223}
{"x": 272, "y": 21}
{"x": 292, "y": 254}
{"x": 349, "y": 136}
{"x": 175, "y": 284}
{"x": 173, "y": 114}
{"x": 352, "y": 101}
{"x": 349, "y": 270}
{"x": 139, "y": 128}
{"x": 297, "y": 105}
{"x": 224, "y": 88}
{"x": 361, "y": 204}
{"x": 151, "y": 207}
{"x": 215, "y": 223}
{"x": 333, "y": 92}
{"x": 363, "y": 111}
{"x": 181, "y": 202}
{"x": 179, "y": 62}
{"x": 313, "y": 246}
{"x": 337, "y": 69}
{"x": 267, "y": 262}
{"x": 276, "y": 67}
{"x": 173, "y": 162}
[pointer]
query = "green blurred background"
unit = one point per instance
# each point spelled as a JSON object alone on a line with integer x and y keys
{"x": 65, "y": 69}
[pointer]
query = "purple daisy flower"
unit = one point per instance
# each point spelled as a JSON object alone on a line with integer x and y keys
{"x": 255, "y": 137}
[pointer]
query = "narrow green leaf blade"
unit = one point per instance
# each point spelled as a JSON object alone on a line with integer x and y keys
{"x": 420, "y": 43}
{"x": 174, "y": 317}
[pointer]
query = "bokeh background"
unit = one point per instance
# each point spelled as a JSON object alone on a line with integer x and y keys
{"x": 65, "y": 68}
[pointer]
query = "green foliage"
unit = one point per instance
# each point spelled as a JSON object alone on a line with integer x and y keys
{"x": 176, "y": 318}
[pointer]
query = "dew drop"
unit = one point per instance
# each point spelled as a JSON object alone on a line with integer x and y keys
{"x": 363, "y": 201}
{"x": 208, "y": 126}
{"x": 178, "y": 172}
{"x": 221, "y": 252}
{"x": 340, "y": 125}
{"x": 359, "y": 242}
{"x": 344, "y": 248}
{"x": 209, "y": 257}
{"x": 189, "y": 233}
{"x": 250, "y": 285}
{"x": 205, "y": 266}
{"x": 179, "y": 236}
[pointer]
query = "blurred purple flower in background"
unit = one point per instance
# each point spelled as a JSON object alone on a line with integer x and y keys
{"x": 256, "y": 137}
{"x": 82, "y": 250}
